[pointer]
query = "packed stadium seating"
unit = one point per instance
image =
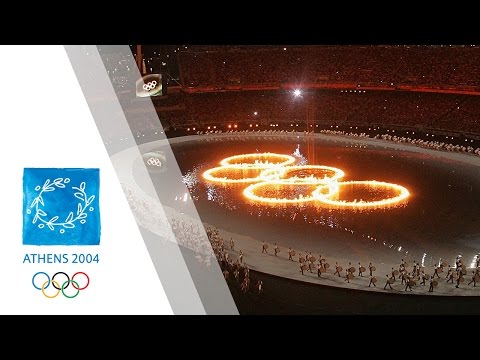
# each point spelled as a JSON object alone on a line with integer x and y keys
{"x": 455, "y": 113}
{"x": 430, "y": 66}
{"x": 421, "y": 87}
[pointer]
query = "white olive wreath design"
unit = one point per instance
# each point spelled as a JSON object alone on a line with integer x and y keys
{"x": 51, "y": 222}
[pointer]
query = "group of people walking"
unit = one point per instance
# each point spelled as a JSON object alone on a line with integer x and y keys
{"x": 405, "y": 275}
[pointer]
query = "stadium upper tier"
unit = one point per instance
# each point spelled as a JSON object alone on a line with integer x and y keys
{"x": 432, "y": 67}
{"x": 449, "y": 112}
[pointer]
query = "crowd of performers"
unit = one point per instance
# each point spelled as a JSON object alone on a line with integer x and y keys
{"x": 406, "y": 275}
{"x": 235, "y": 271}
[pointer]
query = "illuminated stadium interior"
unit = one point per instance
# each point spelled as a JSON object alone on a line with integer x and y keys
{"x": 360, "y": 154}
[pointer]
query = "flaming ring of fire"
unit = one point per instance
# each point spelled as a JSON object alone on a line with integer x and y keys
{"x": 273, "y": 171}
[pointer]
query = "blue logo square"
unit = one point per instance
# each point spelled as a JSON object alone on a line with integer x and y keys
{"x": 61, "y": 206}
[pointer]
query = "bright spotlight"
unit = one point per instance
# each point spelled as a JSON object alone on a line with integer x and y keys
{"x": 297, "y": 92}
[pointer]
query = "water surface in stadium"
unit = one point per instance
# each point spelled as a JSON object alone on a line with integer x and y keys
{"x": 440, "y": 220}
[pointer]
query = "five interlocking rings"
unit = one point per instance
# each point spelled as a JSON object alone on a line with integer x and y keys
{"x": 150, "y": 85}
{"x": 57, "y": 286}
{"x": 269, "y": 173}
{"x": 154, "y": 162}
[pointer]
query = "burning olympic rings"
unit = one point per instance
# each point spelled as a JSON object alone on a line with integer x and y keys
{"x": 269, "y": 171}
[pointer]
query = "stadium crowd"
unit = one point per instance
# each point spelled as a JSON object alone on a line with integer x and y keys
{"x": 448, "y": 112}
{"x": 340, "y": 84}
{"x": 429, "y": 66}
{"x": 434, "y": 145}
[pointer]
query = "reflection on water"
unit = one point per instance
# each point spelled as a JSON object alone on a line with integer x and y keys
{"x": 440, "y": 220}
{"x": 276, "y": 181}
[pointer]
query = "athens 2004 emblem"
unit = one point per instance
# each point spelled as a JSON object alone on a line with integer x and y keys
{"x": 61, "y": 206}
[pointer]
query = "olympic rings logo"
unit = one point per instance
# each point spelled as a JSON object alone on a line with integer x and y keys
{"x": 270, "y": 173}
{"x": 154, "y": 162}
{"x": 55, "y": 284}
{"x": 150, "y": 85}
